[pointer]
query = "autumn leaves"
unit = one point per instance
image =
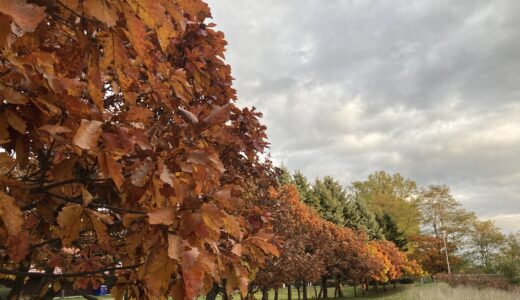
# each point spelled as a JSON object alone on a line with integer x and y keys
{"x": 124, "y": 151}
{"x": 312, "y": 248}
{"x": 125, "y": 158}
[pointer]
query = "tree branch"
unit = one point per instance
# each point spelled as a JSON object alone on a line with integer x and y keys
{"x": 95, "y": 205}
{"x": 60, "y": 183}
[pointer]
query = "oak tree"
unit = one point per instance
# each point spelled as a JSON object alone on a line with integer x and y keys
{"x": 123, "y": 152}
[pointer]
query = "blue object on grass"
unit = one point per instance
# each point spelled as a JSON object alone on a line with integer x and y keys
{"x": 101, "y": 290}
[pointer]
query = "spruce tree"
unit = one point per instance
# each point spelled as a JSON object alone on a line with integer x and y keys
{"x": 304, "y": 189}
{"x": 330, "y": 197}
{"x": 392, "y": 232}
{"x": 358, "y": 217}
{"x": 283, "y": 175}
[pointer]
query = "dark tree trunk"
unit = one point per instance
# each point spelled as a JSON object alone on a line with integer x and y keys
{"x": 355, "y": 290}
{"x": 324, "y": 287}
{"x": 315, "y": 292}
{"x": 276, "y": 294}
{"x": 304, "y": 291}
{"x": 212, "y": 295}
{"x": 289, "y": 295}
{"x": 298, "y": 290}
{"x": 265, "y": 295}
{"x": 393, "y": 281}
{"x": 338, "y": 287}
{"x": 225, "y": 295}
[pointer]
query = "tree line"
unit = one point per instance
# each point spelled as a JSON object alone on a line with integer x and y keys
{"x": 426, "y": 222}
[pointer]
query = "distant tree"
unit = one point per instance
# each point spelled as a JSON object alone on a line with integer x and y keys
{"x": 427, "y": 252}
{"x": 486, "y": 240}
{"x": 509, "y": 258}
{"x": 391, "y": 232}
{"x": 392, "y": 194}
{"x": 358, "y": 217}
{"x": 445, "y": 218}
{"x": 329, "y": 198}
{"x": 304, "y": 188}
{"x": 283, "y": 175}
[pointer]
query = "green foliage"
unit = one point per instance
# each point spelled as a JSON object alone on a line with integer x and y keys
{"x": 304, "y": 188}
{"x": 329, "y": 198}
{"x": 486, "y": 240}
{"x": 443, "y": 216}
{"x": 392, "y": 194}
{"x": 283, "y": 176}
{"x": 358, "y": 217}
{"x": 509, "y": 258}
{"x": 392, "y": 232}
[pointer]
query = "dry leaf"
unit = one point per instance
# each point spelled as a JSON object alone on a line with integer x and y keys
{"x": 88, "y": 134}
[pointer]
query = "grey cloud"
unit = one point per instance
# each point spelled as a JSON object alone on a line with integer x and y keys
{"x": 429, "y": 89}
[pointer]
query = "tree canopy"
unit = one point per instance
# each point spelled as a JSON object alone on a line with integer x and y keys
{"x": 124, "y": 151}
{"x": 391, "y": 194}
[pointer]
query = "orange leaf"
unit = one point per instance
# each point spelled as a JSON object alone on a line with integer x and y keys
{"x": 11, "y": 214}
{"x": 88, "y": 134}
{"x": 158, "y": 271}
{"x": 232, "y": 227}
{"x": 12, "y": 96}
{"x": 69, "y": 220}
{"x": 189, "y": 115}
{"x": 18, "y": 246}
{"x": 150, "y": 11}
{"x": 164, "y": 216}
{"x": 99, "y": 10}
{"x": 95, "y": 83}
{"x": 164, "y": 173}
{"x": 114, "y": 170}
{"x": 26, "y": 16}
{"x": 55, "y": 129}
{"x": 137, "y": 33}
{"x": 87, "y": 197}
{"x": 165, "y": 34}
{"x": 15, "y": 121}
{"x": 101, "y": 232}
{"x": 267, "y": 247}
{"x": 189, "y": 258}
{"x": 237, "y": 249}
{"x": 175, "y": 246}
{"x": 219, "y": 114}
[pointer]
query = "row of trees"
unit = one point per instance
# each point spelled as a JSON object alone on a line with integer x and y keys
{"x": 428, "y": 223}
{"x": 313, "y": 249}
{"x": 124, "y": 157}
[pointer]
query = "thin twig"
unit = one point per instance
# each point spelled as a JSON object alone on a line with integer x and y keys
{"x": 64, "y": 182}
{"x": 78, "y": 200}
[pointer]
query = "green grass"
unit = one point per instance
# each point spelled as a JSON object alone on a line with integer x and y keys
{"x": 348, "y": 293}
{"x": 417, "y": 291}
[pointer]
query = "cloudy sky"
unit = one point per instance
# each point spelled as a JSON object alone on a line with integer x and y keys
{"x": 429, "y": 89}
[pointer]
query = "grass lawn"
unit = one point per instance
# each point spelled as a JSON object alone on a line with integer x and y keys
{"x": 418, "y": 291}
{"x": 348, "y": 292}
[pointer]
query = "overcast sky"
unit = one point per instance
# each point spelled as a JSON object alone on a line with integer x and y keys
{"x": 429, "y": 89}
